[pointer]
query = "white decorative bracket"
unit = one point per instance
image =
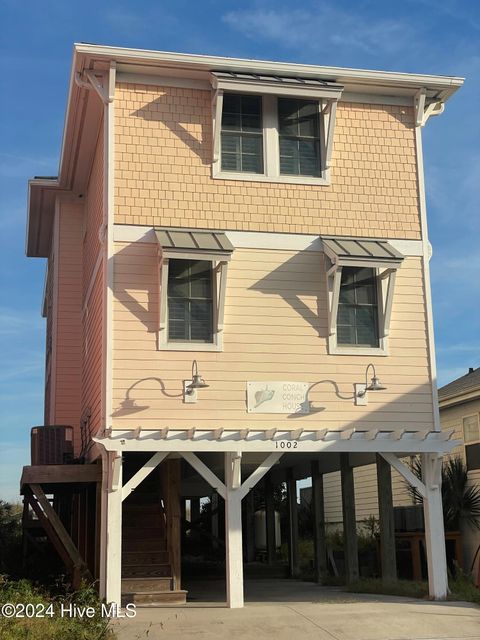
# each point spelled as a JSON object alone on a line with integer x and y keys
{"x": 329, "y": 113}
{"x": 424, "y": 111}
{"x": 217, "y": 108}
{"x": 407, "y": 473}
{"x": 386, "y": 285}
{"x": 103, "y": 82}
{"x": 233, "y": 481}
{"x": 142, "y": 473}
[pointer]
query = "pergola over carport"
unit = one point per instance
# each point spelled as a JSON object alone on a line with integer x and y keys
{"x": 351, "y": 448}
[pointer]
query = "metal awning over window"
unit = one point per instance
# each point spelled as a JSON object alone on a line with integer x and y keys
{"x": 278, "y": 85}
{"x": 358, "y": 252}
{"x": 193, "y": 244}
{"x": 327, "y": 94}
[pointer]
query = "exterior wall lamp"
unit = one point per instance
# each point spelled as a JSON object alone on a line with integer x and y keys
{"x": 361, "y": 396}
{"x": 190, "y": 387}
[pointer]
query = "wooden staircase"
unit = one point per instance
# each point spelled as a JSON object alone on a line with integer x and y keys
{"x": 147, "y": 575}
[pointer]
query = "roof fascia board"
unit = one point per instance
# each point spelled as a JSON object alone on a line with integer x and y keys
{"x": 459, "y": 398}
{"x": 208, "y": 63}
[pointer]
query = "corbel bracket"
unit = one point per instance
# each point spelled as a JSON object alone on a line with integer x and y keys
{"x": 102, "y": 81}
{"x": 423, "y": 111}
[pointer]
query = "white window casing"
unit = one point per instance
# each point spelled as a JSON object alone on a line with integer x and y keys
{"x": 327, "y": 96}
{"x": 219, "y": 260}
{"x": 385, "y": 263}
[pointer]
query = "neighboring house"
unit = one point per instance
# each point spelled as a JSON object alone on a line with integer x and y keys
{"x": 262, "y": 224}
{"x": 459, "y": 403}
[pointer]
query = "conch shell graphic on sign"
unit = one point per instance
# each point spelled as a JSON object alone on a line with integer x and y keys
{"x": 264, "y": 395}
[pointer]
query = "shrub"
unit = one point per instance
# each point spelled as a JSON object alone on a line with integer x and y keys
{"x": 53, "y": 627}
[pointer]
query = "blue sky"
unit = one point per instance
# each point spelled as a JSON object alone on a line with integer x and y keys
{"x": 424, "y": 36}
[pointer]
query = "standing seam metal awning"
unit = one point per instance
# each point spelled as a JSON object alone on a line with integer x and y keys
{"x": 345, "y": 251}
{"x": 188, "y": 243}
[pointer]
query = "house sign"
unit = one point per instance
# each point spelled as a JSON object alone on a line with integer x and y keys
{"x": 278, "y": 397}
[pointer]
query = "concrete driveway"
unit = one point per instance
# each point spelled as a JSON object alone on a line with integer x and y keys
{"x": 288, "y": 610}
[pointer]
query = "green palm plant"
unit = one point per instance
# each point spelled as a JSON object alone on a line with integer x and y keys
{"x": 460, "y": 500}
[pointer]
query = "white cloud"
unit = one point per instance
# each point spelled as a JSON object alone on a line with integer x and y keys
{"x": 318, "y": 30}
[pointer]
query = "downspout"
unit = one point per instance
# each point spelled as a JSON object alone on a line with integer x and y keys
{"x": 420, "y": 121}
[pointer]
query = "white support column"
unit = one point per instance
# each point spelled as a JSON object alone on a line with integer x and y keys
{"x": 233, "y": 532}
{"x": 113, "y": 567}
{"x": 434, "y": 527}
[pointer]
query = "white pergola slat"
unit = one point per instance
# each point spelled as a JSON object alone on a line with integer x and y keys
{"x": 399, "y": 441}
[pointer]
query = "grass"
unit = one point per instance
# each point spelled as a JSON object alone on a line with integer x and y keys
{"x": 53, "y": 627}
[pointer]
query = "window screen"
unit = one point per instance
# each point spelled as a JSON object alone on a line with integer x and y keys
{"x": 357, "y": 318}
{"x": 190, "y": 301}
{"x": 299, "y": 137}
{"x": 242, "y": 133}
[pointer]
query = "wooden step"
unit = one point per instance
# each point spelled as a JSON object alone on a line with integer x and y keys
{"x": 146, "y": 585}
{"x": 163, "y": 570}
{"x": 141, "y": 544}
{"x": 159, "y": 599}
{"x": 144, "y": 557}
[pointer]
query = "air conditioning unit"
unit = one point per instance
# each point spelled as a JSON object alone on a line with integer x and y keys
{"x": 52, "y": 444}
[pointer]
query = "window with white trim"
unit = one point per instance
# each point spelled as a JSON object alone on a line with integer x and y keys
{"x": 471, "y": 429}
{"x": 471, "y": 437}
{"x": 299, "y": 137}
{"x": 360, "y": 276}
{"x": 242, "y": 133}
{"x": 193, "y": 276}
{"x": 190, "y": 301}
{"x": 271, "y": 128}
{"x": 357, "y": 317}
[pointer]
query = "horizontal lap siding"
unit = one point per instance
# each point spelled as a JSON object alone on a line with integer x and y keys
{"x": 93, "y": 287}
{"x": 92, "y": 358}
{"x": 163, "y": 138}
{"x": 452, "y": 418}
{"x": 366, "y": 496}
{"x": 68, "y": 345}
{"x": 275, "y": 329}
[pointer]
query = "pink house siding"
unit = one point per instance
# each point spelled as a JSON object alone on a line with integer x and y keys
{"x": 68, "y": 319}
{"x": 91, "y": 384}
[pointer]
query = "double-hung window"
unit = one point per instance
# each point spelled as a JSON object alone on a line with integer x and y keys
{"x": 272, "y": 128}
{"x": 357, "y": 317}
{"x": 190, "y": 301}
{"x": 299, "y": 137}
{"x": 471, "y": 436}
{"x": 242, "y": 133}
{"x": 361, "y": 276}
{"x": 193, "y": 274}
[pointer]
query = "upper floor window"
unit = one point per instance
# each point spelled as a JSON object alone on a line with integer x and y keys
{"x": 357, "y": 318}
{"x": 272, "y": 128}
{"x": 190, "y": 301}
{"x": 242, "y": 133}
{"x": 299, "y": 137}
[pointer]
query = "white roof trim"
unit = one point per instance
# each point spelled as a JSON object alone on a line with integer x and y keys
{"x": 207, "y": 63}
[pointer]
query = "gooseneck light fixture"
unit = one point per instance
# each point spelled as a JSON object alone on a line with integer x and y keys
{"x": 190, "y": 386}
{"x": 362, "y": 388}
